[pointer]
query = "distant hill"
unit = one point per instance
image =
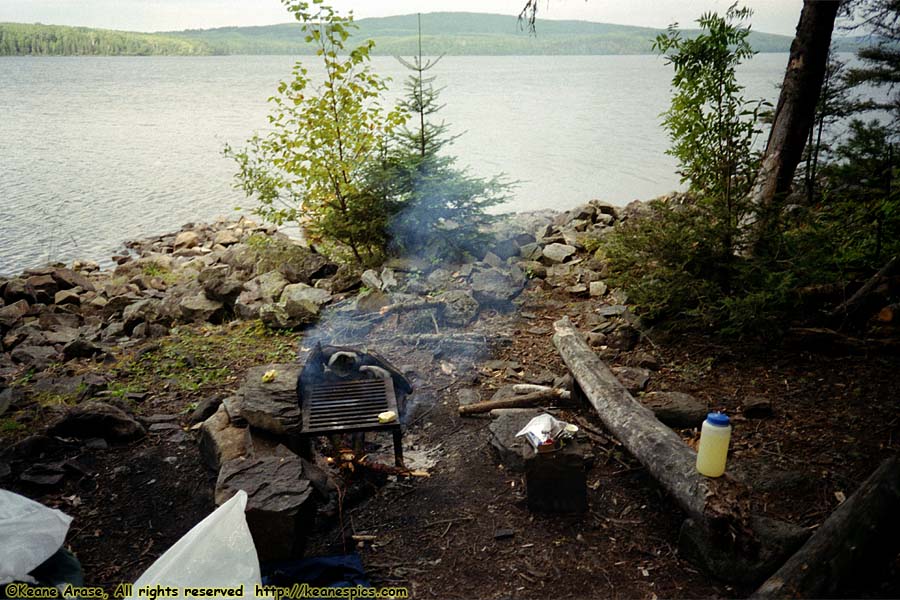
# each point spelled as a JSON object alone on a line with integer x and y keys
{"x": 21, "y": 39}
{"x": 443, "y": 33}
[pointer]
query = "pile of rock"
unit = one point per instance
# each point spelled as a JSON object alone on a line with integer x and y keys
{"x": 249, "y": 441}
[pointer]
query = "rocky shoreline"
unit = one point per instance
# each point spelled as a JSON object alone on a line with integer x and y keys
{"x": 62, "y": 326}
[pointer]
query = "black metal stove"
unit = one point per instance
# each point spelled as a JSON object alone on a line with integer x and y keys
{"x": 343, "y": 390}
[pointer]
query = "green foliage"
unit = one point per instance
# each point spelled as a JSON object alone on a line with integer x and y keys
{"x": 863, "y": 197}
{"x": 314, "y": 166}
{"x": 711, "y": 125}
{"x": 21, "y": 39}
{"x": 683, "y": 261}
{"x": 442, "y": 210}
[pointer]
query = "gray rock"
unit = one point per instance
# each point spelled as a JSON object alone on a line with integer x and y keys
{"x": 200, "y": 309}
{"x": 675, "y": 409}
{"x": 507, "y": 248}
{"x": 504, "y": 427}
{"x": 271, "y": 406}
{"x": 226, "y": 237}
{"x": 388, "y": 279}
{"x": 205, "y": 409}
{"x": 80, "y": 348}
{"x": 346, "y": 278}
{"x": 535, "y": 269}
{"x": 468, "y": 396}
{"x": 220, "y": 441}
{"x": 13, "y": 313}
{"x": 579, "y": 289}
{"x": 219, "y": 285}
{"x": 16, "y": 290}
{"x": 271, "y": 285}
{"x": 277, "y": 493}
{"x": 757, "y": 407}
{"x": 370, "y": 279}
{"x": 149, "y": 310}
{"x": 61, "y": 335}
{"x": 633, "y": 378}
{"x": 187, "y": 239}
{"x": 44, "y": 286}
{"x": 493, "y": 260}
{"x": 598, "y": 289}
{"x": 558, "y": 253}
{"x": 71, "y": 296}
{"x": 275, "y": 316}
{"x": 457, "y": 308}
{"x": 94, "y": 419}
{"x": 532, "y": 251}
{"x": 67, "y": 279}
{"x": 300, "y": 292}
{"x": 496, "y": 288}
{"x": 303, "y": 266}
{"x": 38, "y": 357}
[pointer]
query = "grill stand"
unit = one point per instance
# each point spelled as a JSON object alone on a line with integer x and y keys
{"x": 350, "y": 407}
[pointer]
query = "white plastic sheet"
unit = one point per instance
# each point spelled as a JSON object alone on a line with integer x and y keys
{"x": 542, "y": 428}
{"x": 30, "y": 533}
{"x": 218, "y": 552}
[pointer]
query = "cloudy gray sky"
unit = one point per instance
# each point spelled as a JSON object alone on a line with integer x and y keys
{"x": 774, "y": 16}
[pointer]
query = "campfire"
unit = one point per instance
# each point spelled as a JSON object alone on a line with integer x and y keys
{"x": 343, "y": 390}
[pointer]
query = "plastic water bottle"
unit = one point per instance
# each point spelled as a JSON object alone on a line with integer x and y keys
{"x": 714, "y": 437}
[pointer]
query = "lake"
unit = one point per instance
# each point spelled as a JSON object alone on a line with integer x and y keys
{"x": 95, "y": 151}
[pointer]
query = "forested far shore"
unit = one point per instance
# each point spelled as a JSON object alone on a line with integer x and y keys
{"x": 20, "y": 39}
{"x": 443, "y": 33}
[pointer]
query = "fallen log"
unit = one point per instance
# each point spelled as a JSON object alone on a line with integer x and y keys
{"x": 523, "y": 401}
{"x": 862, "y": 529}
{"x": 662, "y": 452}
{"x": 720, "y": 534}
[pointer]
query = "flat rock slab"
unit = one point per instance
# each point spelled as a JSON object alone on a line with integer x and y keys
{"x": 271, "y": 405}
{"x": 634, "y": 379}
{"x": 94, "y": 419}
{"x": 220, "y": 441}
{"x": 675, "y": 409}
{"x": 504, "y": 427}
{"x": 277, "y": 493}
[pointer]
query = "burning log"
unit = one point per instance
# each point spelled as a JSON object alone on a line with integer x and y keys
{"x": 523, "y": 401}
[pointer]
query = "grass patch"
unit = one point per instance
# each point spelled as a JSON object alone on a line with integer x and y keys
{"x": 199, "y": 359}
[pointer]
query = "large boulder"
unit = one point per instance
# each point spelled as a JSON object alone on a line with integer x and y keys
{"x": 219, "y": 284}
{"x": 221, "y": 442}
{"x": 148, "y": 310}
{"x": 67, "y": 279}
{"x": 12, "y": 313}
{"x": 198, "y": 308}
{"x": 506, "y": 423}
{"x": 279, "y": 510}
{"x": 187, "y": 239}
{"x": 44, "y": 286}
{"x": 271, "y": 285}
{"x": 558, "y": 253}
{"x": 675, "y": 409}
{"x": 17, "y": 289}
{"x": 496, "y": 288}
{"x": 38, "y": 357}
{"x": 300, "y": 265}
{"x": 94, "y": 419}
{"x": 271, "y": 405}
{"x": 457, "y": 308}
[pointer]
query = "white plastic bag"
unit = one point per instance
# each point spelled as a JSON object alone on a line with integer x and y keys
{"x": 30, "y": 533}
{"x": 217, "y": 552}
{"x": 542, "y": 428}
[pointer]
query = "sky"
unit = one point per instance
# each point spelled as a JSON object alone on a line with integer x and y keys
{"x": 772, "y": 16}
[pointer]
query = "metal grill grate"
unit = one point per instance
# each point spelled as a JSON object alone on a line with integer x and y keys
{"x": 347, "y": 405}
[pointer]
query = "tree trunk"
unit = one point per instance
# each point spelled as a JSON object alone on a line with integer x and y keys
{"x": 860, "y": 533}
{"x": 794, "y": 114}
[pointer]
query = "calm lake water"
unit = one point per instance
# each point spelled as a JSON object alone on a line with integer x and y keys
{"x": 95, "y": 151}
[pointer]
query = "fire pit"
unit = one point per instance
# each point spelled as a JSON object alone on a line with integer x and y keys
{"x": 344, "y": 390}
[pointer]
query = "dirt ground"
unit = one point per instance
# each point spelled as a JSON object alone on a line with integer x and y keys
{"x": 466, "y": 532}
